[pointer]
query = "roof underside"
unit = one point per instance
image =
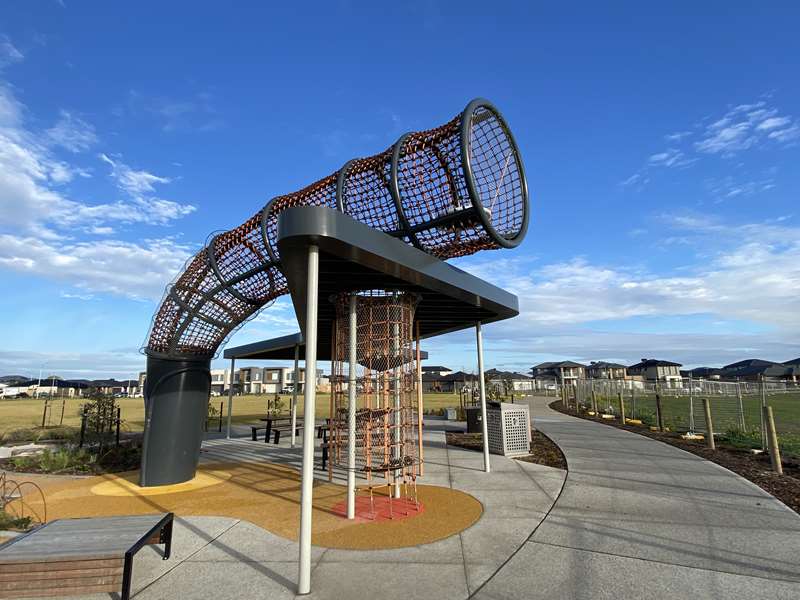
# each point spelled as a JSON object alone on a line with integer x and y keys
{"x": 354, "y": 257}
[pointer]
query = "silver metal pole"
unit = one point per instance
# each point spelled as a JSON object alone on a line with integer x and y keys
{"x": 295, "y": 388}
{"x": 481, "y": 387}
{"x": 691, "y": 405}
{"x": 398, "y": 420}
{"x": 351, "y": 410}
{"x": 307, "y": 483}
{"x": 230, "y": 397}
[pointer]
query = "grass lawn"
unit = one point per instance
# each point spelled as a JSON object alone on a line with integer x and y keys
{"x": 724, "y": 414}
{"x": 27, "y": 412}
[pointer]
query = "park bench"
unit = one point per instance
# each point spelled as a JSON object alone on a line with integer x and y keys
{"x": 80, "y": 556}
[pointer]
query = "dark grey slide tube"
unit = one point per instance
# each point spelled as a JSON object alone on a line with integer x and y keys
{"x": 176, "y": 404}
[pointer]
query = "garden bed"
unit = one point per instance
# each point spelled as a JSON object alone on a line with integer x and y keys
{"x": 753, "y": 467}
{"x": 74, "y": 461}
{"x": 543, "y": 450}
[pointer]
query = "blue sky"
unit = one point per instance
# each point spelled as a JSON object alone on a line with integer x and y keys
{"x": 661, "y": 145}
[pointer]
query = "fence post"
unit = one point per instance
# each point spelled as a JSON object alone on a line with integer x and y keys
{"x": 659, "y": 413}
{"x": 221, "y": 406}
{"x": 119, "y": 413}
{"x": 691, "y": 405}
{"x": 83, "y": 426}
{"x": 621, "y": 409}
{"x": 709, "y": 425}
{"x": 764, "y": 445}
{"x": 44, "y": 411}
{"x": 774, "y": 448}
{"x": 741, "y": 405}
{"x": 633, "y": 401}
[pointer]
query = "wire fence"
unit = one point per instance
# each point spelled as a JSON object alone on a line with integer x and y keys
{"x": 736, "y": 407}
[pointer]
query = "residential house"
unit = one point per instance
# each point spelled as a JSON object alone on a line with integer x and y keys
{"x": 517, "y": 382}
{"x": 269, "y": 380}
{"x": 753, "y": 369}
{"x": 564, "y": 372}
{"x": 436, "y": 369}
{"x": 654, "y": 370}
{"x": 710, "y": 373}
{"x": 606, "y": 370}
{"x": 795, "y": 366}
{"x": 450, "y": 383}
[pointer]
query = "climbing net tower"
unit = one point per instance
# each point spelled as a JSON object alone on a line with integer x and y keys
{"x": 375, "y": 392}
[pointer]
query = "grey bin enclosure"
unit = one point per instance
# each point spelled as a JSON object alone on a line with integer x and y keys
{"x": 509, "y": 427}
{"x": 474, "y": 424}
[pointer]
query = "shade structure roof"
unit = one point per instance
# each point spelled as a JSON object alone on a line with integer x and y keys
{"x": 279, "y": 348}
{"x": 355, "y": 257}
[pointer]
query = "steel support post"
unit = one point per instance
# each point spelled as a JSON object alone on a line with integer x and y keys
{"x": 398, "y": 417}
{"x": 482, "y": 389}
{"x": 230, "y": 399}
{"x": 351, "y": 408}
{"x": 295, "y": 388}
{"x": 307, "y": 483}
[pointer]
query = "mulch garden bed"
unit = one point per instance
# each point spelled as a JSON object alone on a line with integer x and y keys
{"x": 753, "y": 467}
{"x": 543, "y": 450}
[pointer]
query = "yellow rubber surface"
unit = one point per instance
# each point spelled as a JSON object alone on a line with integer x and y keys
{"x": 127, "y": 485}
{"x": 267, "y": 495}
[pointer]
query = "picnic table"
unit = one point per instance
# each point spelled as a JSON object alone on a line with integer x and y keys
{"x": 279, "y": 425}
{"x": 80, "y": 556}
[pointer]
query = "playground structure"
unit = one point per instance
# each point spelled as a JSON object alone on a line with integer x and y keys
{"x": 362, "y": 254}
{"x": 376, "y": 408}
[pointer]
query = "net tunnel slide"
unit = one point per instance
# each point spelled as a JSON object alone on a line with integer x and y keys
{"x": 449, "y": 191}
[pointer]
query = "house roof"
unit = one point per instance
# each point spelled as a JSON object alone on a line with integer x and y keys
{"x": 506, "y": 374}
{"x": 749, "y": 364}
{"x": 435, "y": 368}
{"x": 704, "y": 371}
{"x": 564, "y": 364}
{"x": 605, "y": 365}
{"x": 654, "y": 362}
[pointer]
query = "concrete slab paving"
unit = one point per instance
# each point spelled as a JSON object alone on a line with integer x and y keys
{"x": 229, "y": 558}
{"x": 640, "y": 518}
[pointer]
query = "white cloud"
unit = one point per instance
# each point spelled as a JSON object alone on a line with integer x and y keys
{"x": 72, "y": 296}
{"x": 773, "y": 122}
{"x": 8, "y": 52}
{"x": 786, "y": 135}
{"x": 743, "y": 127}
{"x": 677, "y": 136}
{"x": 72, "y": 133}
{"x": 31, "y": 178}
{"x": 133, "y": 270}
{"x": 131, "y": 181}
{"x": 670, "y": 158}
{"x": 753, "y": 275}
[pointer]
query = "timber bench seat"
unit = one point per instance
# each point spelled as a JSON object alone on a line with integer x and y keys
{"x": 80, "y": 556}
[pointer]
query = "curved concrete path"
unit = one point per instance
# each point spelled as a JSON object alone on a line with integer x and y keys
{"x": 638, "y": 518}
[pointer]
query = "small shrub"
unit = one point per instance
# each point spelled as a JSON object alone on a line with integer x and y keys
{"x": 57, "y": 461}
{"x": 10, "y": 522}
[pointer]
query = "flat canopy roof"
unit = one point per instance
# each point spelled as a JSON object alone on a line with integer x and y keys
{"x": 279, "y": 348}
{"x": 353, "y": 256}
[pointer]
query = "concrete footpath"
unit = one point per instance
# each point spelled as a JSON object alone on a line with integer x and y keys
{"x": 224, "y": 558}
{"x": 637, "y": 518}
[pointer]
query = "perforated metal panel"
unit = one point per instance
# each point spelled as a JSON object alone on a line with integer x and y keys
{"x": 509, "y": 428}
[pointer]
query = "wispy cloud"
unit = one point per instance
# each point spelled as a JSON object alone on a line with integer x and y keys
{"x": 133, "y": 270}
{"x": 749, "y": 271}
{"x": 9, "y": 54}
{"x": 739, "y": 129}
{"x": 41, "y": 227}
{"x": 72, "y": 133}
{"x": 745, "y": 126}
